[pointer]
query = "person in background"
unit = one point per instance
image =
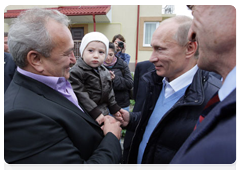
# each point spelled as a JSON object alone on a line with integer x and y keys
{"x": 91, "y": 81}
{"x": 139, "y": 95}
{"x": 214, "y": 139}
{"x": 9, "y": 69}
{"x": 120, "y": 45}
{"x": 139, "y": 89}
{"x": 177, "y": 92}
{"x": 43, "y": 123}
{"x": 121, "y": 78}
{"x": 9, "y": 64}
{"x": 6, "y": 42}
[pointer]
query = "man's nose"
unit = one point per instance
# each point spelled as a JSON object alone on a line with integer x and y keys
{"x": 72, "y": 58}
{"x": 153, "y": 58}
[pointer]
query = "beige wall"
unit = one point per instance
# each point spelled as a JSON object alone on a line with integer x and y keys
{"x": 127, "y": 16}
{"x": 148, "y": 11}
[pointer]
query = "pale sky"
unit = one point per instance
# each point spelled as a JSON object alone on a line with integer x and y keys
{"x": 183, "y": 10}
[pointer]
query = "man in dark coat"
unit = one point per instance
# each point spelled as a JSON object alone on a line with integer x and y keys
{"x": 139, "y": 95}
{"x": 43, "y": 122}
{"x": 214, "y": 140}
{"x": 176, "y": 94}
{"x": 139, "y": 87}
{"x": 9, "y": 70}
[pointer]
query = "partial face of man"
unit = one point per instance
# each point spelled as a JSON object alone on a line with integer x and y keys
{"x": 62, "y": 57}
{"x": 168, "y": 56}
{"x": 214, "y": 27}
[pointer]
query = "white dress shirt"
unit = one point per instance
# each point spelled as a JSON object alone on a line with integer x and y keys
{"x": 228, "y": 86}
{"x": 180, "y": 82}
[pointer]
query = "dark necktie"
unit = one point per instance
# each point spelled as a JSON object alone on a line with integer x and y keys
{"x": 211, "y": 104}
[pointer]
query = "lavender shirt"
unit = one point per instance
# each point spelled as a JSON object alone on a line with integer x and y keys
{"x": 59, "y": 84}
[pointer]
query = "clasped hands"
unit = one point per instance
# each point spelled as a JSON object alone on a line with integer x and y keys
{"x": 113, "y": 125}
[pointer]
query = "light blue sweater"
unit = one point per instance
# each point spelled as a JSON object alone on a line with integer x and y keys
{"x": 162, "y": 106}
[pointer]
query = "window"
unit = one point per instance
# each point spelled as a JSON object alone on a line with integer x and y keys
{"x": 149, "y": 28}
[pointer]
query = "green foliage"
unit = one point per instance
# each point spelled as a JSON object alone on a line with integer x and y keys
{"x": 132, "y": 73}
{"x": 132, "y": 102}
{"x": 123, "y": 133}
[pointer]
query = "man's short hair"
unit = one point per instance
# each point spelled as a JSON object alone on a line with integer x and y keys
{"x": 28, "y": 32}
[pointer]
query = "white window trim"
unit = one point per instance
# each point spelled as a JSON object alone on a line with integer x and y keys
{"x": 157, "y": 24}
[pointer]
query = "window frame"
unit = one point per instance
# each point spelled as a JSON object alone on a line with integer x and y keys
{"x": 141, "y": 31}
{"x": 144, "y": 32}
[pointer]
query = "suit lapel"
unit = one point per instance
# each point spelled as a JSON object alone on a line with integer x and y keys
{"x": 52, "y": 95}
{"x": 212, "y": 118}
{"x": 150, "y": 68}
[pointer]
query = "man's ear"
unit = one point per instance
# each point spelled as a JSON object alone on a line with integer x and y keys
{"x": 35, "y": 60}
{"x": 191, "y": 48}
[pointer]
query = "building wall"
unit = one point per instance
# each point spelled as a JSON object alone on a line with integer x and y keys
{"x": 148, "y": 11}
{"x": 127, "y": 16}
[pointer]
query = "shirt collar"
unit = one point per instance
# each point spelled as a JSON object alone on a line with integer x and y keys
{"x": 183, "y": 80}
{"x": 54, "y": 82}
{"x": 229, "y": 85}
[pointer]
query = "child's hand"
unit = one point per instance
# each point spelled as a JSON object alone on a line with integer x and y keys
{"x": 100, "y": 119}
{"x": 112, "y": 74}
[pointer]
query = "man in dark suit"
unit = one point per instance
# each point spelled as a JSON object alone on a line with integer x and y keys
{"x": 139, "y": 95}
{"x": 43, "y": 122}
{"x": 214, "y": 140}
{"x": 9, "y": 70}
{"x": 139, "y": 84}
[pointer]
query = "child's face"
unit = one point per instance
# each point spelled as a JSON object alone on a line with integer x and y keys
{"x": 94, "y": 54}
{"x": 110, "y": 56}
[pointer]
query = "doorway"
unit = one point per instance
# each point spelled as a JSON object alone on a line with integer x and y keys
{"x": 78, "y": 31}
